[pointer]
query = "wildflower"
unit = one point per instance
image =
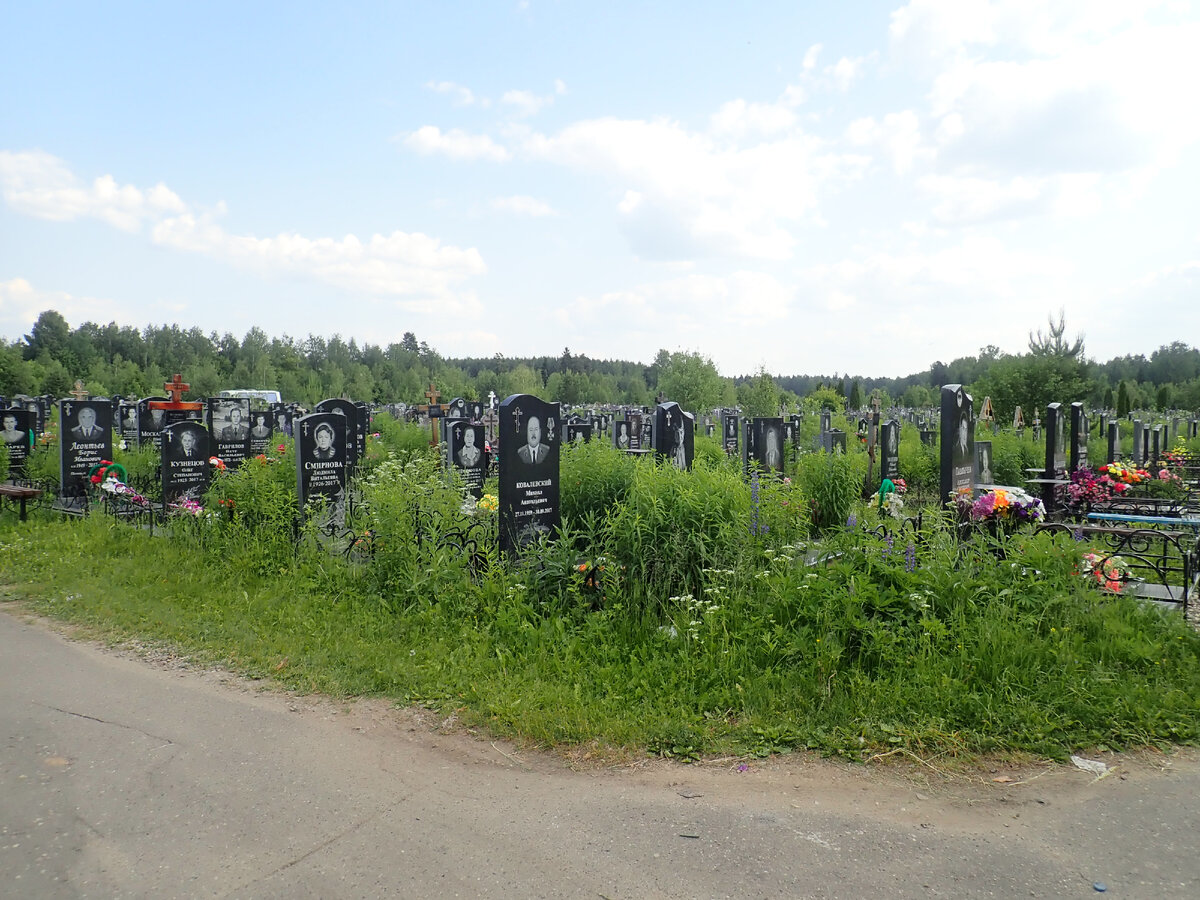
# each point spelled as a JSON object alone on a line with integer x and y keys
{"x": 851, "y": 521}
{"x": 281, "y": 448}
{"x": 910, "y": 557}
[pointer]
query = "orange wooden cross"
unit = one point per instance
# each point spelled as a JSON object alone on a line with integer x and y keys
{"x": 175, "y": 388}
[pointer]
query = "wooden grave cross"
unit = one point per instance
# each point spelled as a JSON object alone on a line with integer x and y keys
{"x": 79, "y": 393}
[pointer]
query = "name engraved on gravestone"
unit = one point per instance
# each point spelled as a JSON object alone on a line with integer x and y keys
{"x": 364, "y": 425}
{"x": 983, "y": 463}
{"x": 349, "y": 412}
{"x": 957, "y": 475}
{"x": 464, "y": 451}
{"x": 676, "y": 435}
{"x": 185, "y": 470}
{"x": 729, "y": 430}
{"x": 85, "y": 427}
{"x": 128, "y": 412}
{"x": 889, "y": 466}
{"x": 17, "y": 434}
{"x": 764, "y": 444}
{"x": 1079, "y": 438}
{"x": 260, "y": 431}
{"x": 321, "y": 458}
{"x": 1114, "y": 441}
{"x": 227, "y": 418}
{"x": 151, "y": 422}
{"x": 530, "y": 435}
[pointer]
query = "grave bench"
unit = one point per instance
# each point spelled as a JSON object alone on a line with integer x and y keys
{"x": 1165, "y": 561}
{"x": 20, "y": 495}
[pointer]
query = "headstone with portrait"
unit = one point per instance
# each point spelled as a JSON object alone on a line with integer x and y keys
{"x": 957, "y": 471}
{"x": 85, "y": 440}
{"x": 349, "y": 412}
{"x": 465, "y": 452}
{"x": 228, "y": 424}
{"x": 321, "y": 458}
{"x": 17, "y": 435}
{"x": 530, "y": 436}
{"x": 764, "y": 444}
{"x": 579, "y": 431}
{"x": 281, "y": 417}
{"x": 984, "y": 476}
{"x": 675, "y": 433}
{"x": 833, "y": 441}
{"x": 729, "y": 430}
{"x": 184, "y": 466}
{"x": 261, "y": 429}
{"x": 127, "y": 421}
{"x": 151, "y": 422}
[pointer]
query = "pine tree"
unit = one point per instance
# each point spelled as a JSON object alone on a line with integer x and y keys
{"x": 1122, "y": 401}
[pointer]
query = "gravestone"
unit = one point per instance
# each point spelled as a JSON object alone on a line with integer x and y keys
{"x": 260, "y": 432}
{"x": 832, "y": 440}
{"x": 529, "y": 486}
{"x": 1139, "y": 452}
{"x": 85, "y": 440}
{"x": 282, "y": 419}
{"x": 230, "y": 433}
{"x": 151, "y": 422}
{"x": 676, "y": 435}
{"x": 1156, "y": 445}
{"x": 1055, "y": 465}
{"x": 16, "y": 430}
{"x": 579, "y": 432}
{"x": 957, "y": 476}
{"x": 465, "y": 452}
{"x": 1114, "y": 442}
{"x": 764, "y": 444}
{"x": 349, "y": 412}
{"x": 321, "y": 459}
{"x": 1079, "y": 438}
{"x": 889, "y": 464}
{"x": 928, "y": 437}
{"x": 729, "y": 432}
{"x": 826, "y": 420}
{"x": 128, "y": 422}
{"x": 983, "y": 463}
{"x": 184, "y": 468}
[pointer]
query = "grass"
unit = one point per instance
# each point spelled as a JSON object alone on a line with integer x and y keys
{"x": 707, "y": 633}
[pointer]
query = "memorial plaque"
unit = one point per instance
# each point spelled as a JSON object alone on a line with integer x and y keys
{"x": 321, "y": 457}
{"x": 530, "y": 433}
{"x": 889, "y": 459}
{"x": 18, "y": 438}
{"x": 957, "y": 478}
{"x": 185, "y": 469}
{"x": 85, "y": 429}
{"x": 227, "y": 418}
{"x": 349, "y": 411}
{"x": 676, "y": 433}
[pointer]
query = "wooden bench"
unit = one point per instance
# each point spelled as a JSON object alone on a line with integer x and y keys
{"x": 20, "y": 495}
{"x": 1192, "y": 522}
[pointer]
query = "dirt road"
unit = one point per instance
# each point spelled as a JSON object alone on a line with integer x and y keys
{"x": 121, "y": 776}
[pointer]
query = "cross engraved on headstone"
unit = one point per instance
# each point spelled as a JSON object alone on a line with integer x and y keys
{"x": 517, "y": 419}
{"x": 304, "y": 428}
{"x": 79, "y": 393}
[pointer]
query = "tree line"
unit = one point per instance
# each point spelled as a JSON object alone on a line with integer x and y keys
{"x": 112, "y": 359}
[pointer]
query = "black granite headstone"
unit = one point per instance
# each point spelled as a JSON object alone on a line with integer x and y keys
{"x": 889, "y": 464}
{"x": 579, "y": 432}
{"x": 228, "y": 420}
{"x": 185, "y": 469}
{"x": 465, "y": 452}
{"x": 16, "y": 430}
{"x": 1079, "y": 438}
{"x": 128, "y": 422}
{"x": 349, "y": 411}
{"x": 282, "y": 419}
{"x": 675, "y": 432}
{"x": 85, "y": 432}
{"x": 1114, "y": 441}
{"x": 260, "y": 431}
{"x": 983, "y": 463}
{"x": 151, "y": 422}
{"x": 957, "y": 479}
{"x": 530, "y": 435}
{"x": 1139, "y": 452}
{"x": 321, "y": 457}
{"x": 729, "y": 428}
{"x": 764, "y": 444}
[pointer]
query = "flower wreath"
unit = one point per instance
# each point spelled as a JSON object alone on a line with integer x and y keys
{"x": 106, "y": 469}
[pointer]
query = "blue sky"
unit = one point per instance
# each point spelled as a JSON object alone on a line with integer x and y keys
{"x": 862, "y": 187}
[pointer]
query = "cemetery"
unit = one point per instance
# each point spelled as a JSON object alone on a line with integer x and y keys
{"x": 645, "y": 578}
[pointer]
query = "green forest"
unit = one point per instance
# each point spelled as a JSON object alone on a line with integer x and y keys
{"x": 122, "y": 360}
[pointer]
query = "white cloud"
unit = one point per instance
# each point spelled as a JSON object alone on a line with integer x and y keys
{"x": 737, "y": 119}
{"x": 898, "y": 135}
{"x": 40, "y": 185}
{"x": 456, "y": 144}
{"x": 21, "y": 303}
{"x": 462, "y": 96}
{"x": 415, "y": 267}
{"x": 527, "y": 103}
{"x": 523, "y": 206}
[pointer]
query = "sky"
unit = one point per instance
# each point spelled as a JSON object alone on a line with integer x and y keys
{"x": 860, "y": 188}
